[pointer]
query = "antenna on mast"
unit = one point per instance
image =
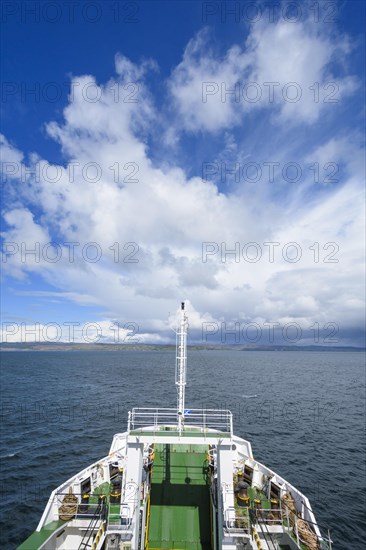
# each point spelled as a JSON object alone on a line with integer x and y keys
{"x": 181, "y": 365}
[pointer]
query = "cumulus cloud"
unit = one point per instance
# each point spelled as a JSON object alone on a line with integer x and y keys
{"x": 10, "y": 157}
{"x": 133, "y": 236}
{"x": 91, "y": 332}
{"x": 281, "y": 68}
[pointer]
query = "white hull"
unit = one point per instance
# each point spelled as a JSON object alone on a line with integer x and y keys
{"x": 129, "y": 452}
{"x": 177, "y": 479}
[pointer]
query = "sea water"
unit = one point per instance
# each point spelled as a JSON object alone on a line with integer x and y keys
{"x": 303, "y": 412}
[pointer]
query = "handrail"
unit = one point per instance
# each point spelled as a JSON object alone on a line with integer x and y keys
{"x": 98, "y": 514}
{"x": 77, "y": 513}
{"x": 206, "y": 419}
{"x": 265, "y": 524}
{"x": 268, "y": 520}
{"x": 318, "y": 525}
{"x": 235, "y": 519}
{"x": 321, "y": 539}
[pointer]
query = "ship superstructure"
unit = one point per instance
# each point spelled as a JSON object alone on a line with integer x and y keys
{"x": 178, "y": 479}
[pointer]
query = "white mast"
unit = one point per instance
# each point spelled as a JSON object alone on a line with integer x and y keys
{"x": 181, "y": 366}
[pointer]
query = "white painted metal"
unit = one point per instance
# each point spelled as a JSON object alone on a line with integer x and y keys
{"x": 181, "y": 366}
{"x": 197, "y": 419}
{"x": 132, "y": 488}
{"x": 130, "y": 452}
{"x": 232, "y": 454}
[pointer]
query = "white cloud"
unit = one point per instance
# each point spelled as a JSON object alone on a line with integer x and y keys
{"x": 23, "y": 242}
{"x": 9, "y": 155}
{"x": 91, "y": 332}
{"x": 283, "y": 68}
{"x": 159, "y": 216}
{"x": 195, "y": 84}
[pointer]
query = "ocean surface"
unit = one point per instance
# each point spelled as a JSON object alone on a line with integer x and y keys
{"x": 304, "y": 413}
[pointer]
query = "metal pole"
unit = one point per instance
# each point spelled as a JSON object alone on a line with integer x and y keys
{"x": 297, "y": 532}
{"x": 329, "y": 540}
{"x": 181, "y": 366}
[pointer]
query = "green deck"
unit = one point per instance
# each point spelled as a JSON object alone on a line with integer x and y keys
{"x": 254, "y": 493}
{"x": 39, "y": 537}
{"x": 113, "y": 509}
{"x": 180, "y": 501}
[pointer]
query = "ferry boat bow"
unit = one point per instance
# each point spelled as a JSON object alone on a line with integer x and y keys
{"x": 178, "y": 479}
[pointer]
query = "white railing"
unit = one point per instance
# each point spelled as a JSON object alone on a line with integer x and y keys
{"x": 196, "y": 420}
{"x": 235, "y": 521}
{"x": 269, "y": 516}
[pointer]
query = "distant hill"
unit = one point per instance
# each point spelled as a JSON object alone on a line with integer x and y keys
{"x": 60, "y": 346}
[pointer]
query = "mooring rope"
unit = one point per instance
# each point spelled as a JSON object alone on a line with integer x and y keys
{"x": 69, "y": 506}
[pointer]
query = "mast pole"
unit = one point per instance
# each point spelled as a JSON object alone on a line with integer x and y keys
{"x": 181, "y": 366}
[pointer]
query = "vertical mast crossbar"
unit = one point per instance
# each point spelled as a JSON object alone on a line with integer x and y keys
{"x": 181, "y": 366}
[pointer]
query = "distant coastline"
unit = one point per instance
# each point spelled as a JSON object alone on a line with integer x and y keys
{"x": 59, "y": 346}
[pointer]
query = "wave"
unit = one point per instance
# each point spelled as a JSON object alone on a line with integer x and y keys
{"x": 10, "y": 455}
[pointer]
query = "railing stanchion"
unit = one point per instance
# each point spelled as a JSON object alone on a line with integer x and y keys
{"x": 129, "y": 422}
{"x": 297, "y": 532}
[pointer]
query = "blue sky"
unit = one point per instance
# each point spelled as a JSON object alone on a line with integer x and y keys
{"x": 159, "y": 137}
